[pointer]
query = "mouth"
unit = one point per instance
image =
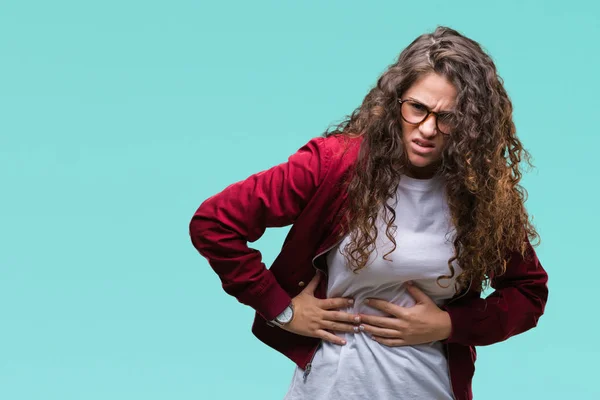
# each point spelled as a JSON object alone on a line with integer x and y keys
{"x": 423, "y": 143}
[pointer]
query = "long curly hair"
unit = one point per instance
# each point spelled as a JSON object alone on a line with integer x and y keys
{"x": 480, "y": 162}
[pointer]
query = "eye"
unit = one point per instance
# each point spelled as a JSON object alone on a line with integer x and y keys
{"x": 418, "y": 107}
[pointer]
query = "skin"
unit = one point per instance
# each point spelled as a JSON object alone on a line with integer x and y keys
{"x": 424, "y": 322}
{"x": 319, "y": 317}
{"x": 435, "y": 92}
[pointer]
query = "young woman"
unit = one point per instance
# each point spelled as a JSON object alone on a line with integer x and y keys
{"x": 400, "y": 216}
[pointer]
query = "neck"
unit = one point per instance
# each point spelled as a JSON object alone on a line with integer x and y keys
{"x": 427, "y": 172}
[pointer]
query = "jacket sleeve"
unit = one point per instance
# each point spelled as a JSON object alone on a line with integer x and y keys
{"x": 514, "y": 307}
{"x": 225, "y": 222}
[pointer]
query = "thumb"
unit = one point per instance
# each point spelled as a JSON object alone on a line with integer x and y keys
{"x": 312, "y": 285}
{"x": 418, "y": 294}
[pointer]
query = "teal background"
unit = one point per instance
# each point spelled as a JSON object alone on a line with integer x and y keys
{"x": 118, "y": 118}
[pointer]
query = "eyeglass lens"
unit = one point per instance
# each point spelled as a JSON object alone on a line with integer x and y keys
{"x": 415, "y": 113}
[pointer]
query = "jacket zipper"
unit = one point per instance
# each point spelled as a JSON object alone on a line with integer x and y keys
{"x": 323, "y": 252}
{"x": 447, "y": 347}
{"x": 309, "y": 365}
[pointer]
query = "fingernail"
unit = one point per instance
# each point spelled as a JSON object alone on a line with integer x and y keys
{"x": 357, "y": 319}
{"x": 350, "y": 301}
{"x": 356, "y": 329}
{"x": 361, "y": 328}
{"x": 343, "y": 342}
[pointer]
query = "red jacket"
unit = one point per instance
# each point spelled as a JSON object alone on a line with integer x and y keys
{"x": 304, "y": 192}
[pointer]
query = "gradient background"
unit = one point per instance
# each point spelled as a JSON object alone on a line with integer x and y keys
{"x": 118, "y": 118}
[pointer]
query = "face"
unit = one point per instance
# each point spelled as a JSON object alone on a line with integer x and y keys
{"x": 423, "y": 143}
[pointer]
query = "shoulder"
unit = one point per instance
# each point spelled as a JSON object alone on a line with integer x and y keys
{"x": 337, "y": 155}
{"x": 336, "y": 147}
{"x": 327, "y": 157}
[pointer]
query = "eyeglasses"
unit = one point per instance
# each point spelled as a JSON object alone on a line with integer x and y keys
{"x": 414, "y": 113}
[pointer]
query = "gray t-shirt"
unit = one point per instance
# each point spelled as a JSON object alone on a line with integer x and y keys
{"x": 364, "y": 368}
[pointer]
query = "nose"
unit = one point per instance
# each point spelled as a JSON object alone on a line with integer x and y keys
{"x": 428, "y": 127}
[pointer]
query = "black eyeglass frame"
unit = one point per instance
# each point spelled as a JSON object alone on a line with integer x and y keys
{"x": 437, "y": 115}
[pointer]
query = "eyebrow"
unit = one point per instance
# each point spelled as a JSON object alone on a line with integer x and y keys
{"x": 421, "y": 102}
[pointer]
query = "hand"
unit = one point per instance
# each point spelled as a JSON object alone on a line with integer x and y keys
{"x": 313, "y": 317}
{"x": 425, "y": 322}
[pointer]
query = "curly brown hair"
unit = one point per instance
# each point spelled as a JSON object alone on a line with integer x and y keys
{"x": 480, "y": 163}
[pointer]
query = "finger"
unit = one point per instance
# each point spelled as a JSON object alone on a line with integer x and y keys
{"x": 386, "y": 306}
{"x": 382, "y": 322}
{"x": 341, "y": 316}
{"x": 339, "y": 326}
{"x": 337, "y": 302}
{"x": 314, "y": 282}
{"x": 330, "y": 337}
{"x": 418, "y": 294}
{"x": 390, "y": 342}
{"x": 381, "y": 332}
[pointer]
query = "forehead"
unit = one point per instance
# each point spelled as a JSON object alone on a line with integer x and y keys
{"x": 433, "y": 90}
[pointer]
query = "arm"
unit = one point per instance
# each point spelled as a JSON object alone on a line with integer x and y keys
{"x": 224, "y": 224}
{"x": 514, "y": 307}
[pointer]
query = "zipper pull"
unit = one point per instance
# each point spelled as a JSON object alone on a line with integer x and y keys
{"x": 307, "y": 371}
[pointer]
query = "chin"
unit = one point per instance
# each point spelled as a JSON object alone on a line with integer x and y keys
{"x": 419, "y": 162}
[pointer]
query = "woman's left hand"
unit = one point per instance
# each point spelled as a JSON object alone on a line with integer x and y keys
{"x": 422, "y": 323}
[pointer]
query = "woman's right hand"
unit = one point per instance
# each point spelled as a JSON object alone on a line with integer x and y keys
{"x": 315, "y": 317}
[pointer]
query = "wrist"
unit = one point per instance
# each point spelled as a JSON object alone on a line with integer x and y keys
{"x": 285, "y": 317}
